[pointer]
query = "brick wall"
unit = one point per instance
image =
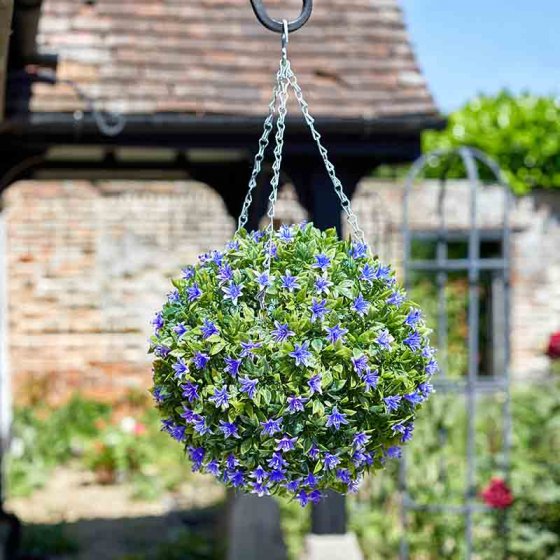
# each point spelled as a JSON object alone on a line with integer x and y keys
{"x": 89, "y": 264}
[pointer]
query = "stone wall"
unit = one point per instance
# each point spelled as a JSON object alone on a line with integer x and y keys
{"x": 88, "y": 265}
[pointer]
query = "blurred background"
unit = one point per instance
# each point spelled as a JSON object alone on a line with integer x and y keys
{"x": 127, "y": 132}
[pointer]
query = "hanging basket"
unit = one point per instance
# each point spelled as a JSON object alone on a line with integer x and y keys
{"x": 291, "y": 362}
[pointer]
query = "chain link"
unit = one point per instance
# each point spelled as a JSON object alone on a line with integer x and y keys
{"x": 259, "y": 157}
{"x": 338, "y": 188}
{"x": 286, "y": 77}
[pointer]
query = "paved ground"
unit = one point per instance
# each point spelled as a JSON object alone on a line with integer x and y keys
{"x": 105, "y": 522}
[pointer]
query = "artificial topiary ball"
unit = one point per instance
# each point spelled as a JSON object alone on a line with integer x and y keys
{"x": 296, "y": 379}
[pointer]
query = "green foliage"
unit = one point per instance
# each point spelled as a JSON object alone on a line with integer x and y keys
{"x": 132, "y": 449}
{"x": 522, "y": 133}
{"x": 388, "y": 339}
{"x": 47, "y": 437}
{"x": 438, "y": 475}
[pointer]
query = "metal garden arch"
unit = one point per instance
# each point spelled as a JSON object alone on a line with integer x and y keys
{"x": 472, "y": 385}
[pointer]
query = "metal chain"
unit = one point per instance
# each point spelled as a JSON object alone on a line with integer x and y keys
{"x": 277, "y": 165}
{"x": 286, "y": 77}
{"x": 338, "y": 188}
{"x": 259, "y": 157}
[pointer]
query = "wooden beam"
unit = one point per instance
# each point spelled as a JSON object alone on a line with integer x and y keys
{"x": 6, "y": 10}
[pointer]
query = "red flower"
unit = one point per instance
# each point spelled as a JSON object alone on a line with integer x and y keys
{"x": 553, "y": 349}
{"x": 497, "y": 494}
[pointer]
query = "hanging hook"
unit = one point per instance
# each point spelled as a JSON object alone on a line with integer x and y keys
{"x": 278, "y": 26}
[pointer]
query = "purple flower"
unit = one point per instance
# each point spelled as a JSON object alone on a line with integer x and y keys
{"x": 232, "y": 245}
{"x": 162, "y": 351}
{"x": 413, "y": 317}
{"x": 173, "y": 297}
{"x": 217, "y": 257}
{"x": 256, "y": 236}
{"x": 313, "y": 452}
{"x": 310, "y": 480}
{"x": 270, "y": 427}
{"x": 318, "y": 309}
{"x": 248, "y": 348}
{"x": 194, "y": 292}
{"x": 358, "y": 250}
{"x": 368, "y": 273}
{"x": 394, "y": 452}
{"x": 233, "y": 292}
{"x": 225, "y": 273}
{"x": 407, "y": 434}
{"x": 413, "y": 341}
{"x": 296, "y": 404}
{"x": 322, "y": 284}
{"x": 289, "y": 282}
{"x": 396, "y": 299}
{"x": 272, "y": 249}
{"x": 197, "y": 455}
{"x": 180, "y": 330}
{"x": 425, "y": 389}
{"x": 229, "y": 429}
{"x": 180, "y": 367}
{"x": 189, "y": 415}
{"x": 336, "y": 333}
{"x": 190, "y": 391}
{"x": 286, "y": 443}
{"x": 208, "y": 329}
{"x": 236, "y": 478}
{"x": 277, "y": 475}
{"x": 361, "y": 439}
{"x": 231, "y": 462}
{"x": 200, "y": 426}
{"x": 177, "y": 432}
{"x": 343, "y": 475}
{"x": 331, "y": 461}
{"x": 335, "y": 419}
{"x": 384, "y": 339}
{"x": 398, "y": 428}
{"x": 321, "y": 261}
{"x": 315, "y": 496}
{"x": 261, "y": 489}
{"x": 392, "y": 402}
{"x": 292, "y": 485}
{"x": 428, "y": 352}
{"x": 249, "y": 386}
{"x": 432, "y": 367}
{"x": 301, "y": 354}
{"x": 282, "y": 332}
{"x": 285, "y": 233}
{"x": 383, "y": 273}
{"x": 259, "y": 474}
{"x": 354, "y": 485}
{"x": 213, "y": 467}
{"x": 188, "y": 272}
{"x": 361, "y": 305}
{"x": 232, "y": 366}
{"x": 302, "y": 498}
{"x": 263, "y": 280}
{"x": 360, "y": 364}
{"x": 315, "y": 384}
{"x": 359, "y": 458}
{"x": 220, "y": 397}
{"x": 159, "y": 394}
{"x": 414, "y": 398}
{"x": 157, "y": 322}
{"x": 277, "y": 461}
{"x": 370, "y": 379}
{"x": 200, "y": 360}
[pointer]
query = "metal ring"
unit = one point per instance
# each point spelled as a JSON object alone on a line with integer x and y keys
{"x": 278, "y": 26}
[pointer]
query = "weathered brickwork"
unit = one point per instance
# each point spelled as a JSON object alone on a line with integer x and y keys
{"x": 89, "y": 265}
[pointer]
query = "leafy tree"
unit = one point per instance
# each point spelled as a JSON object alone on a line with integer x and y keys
{"x": 522, "y": 133}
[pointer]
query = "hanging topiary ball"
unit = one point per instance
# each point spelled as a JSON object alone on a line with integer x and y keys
{"x": 290, "y": 365}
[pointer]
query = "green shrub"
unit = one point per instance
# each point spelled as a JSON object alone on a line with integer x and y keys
{"x": 522, "y": 133}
